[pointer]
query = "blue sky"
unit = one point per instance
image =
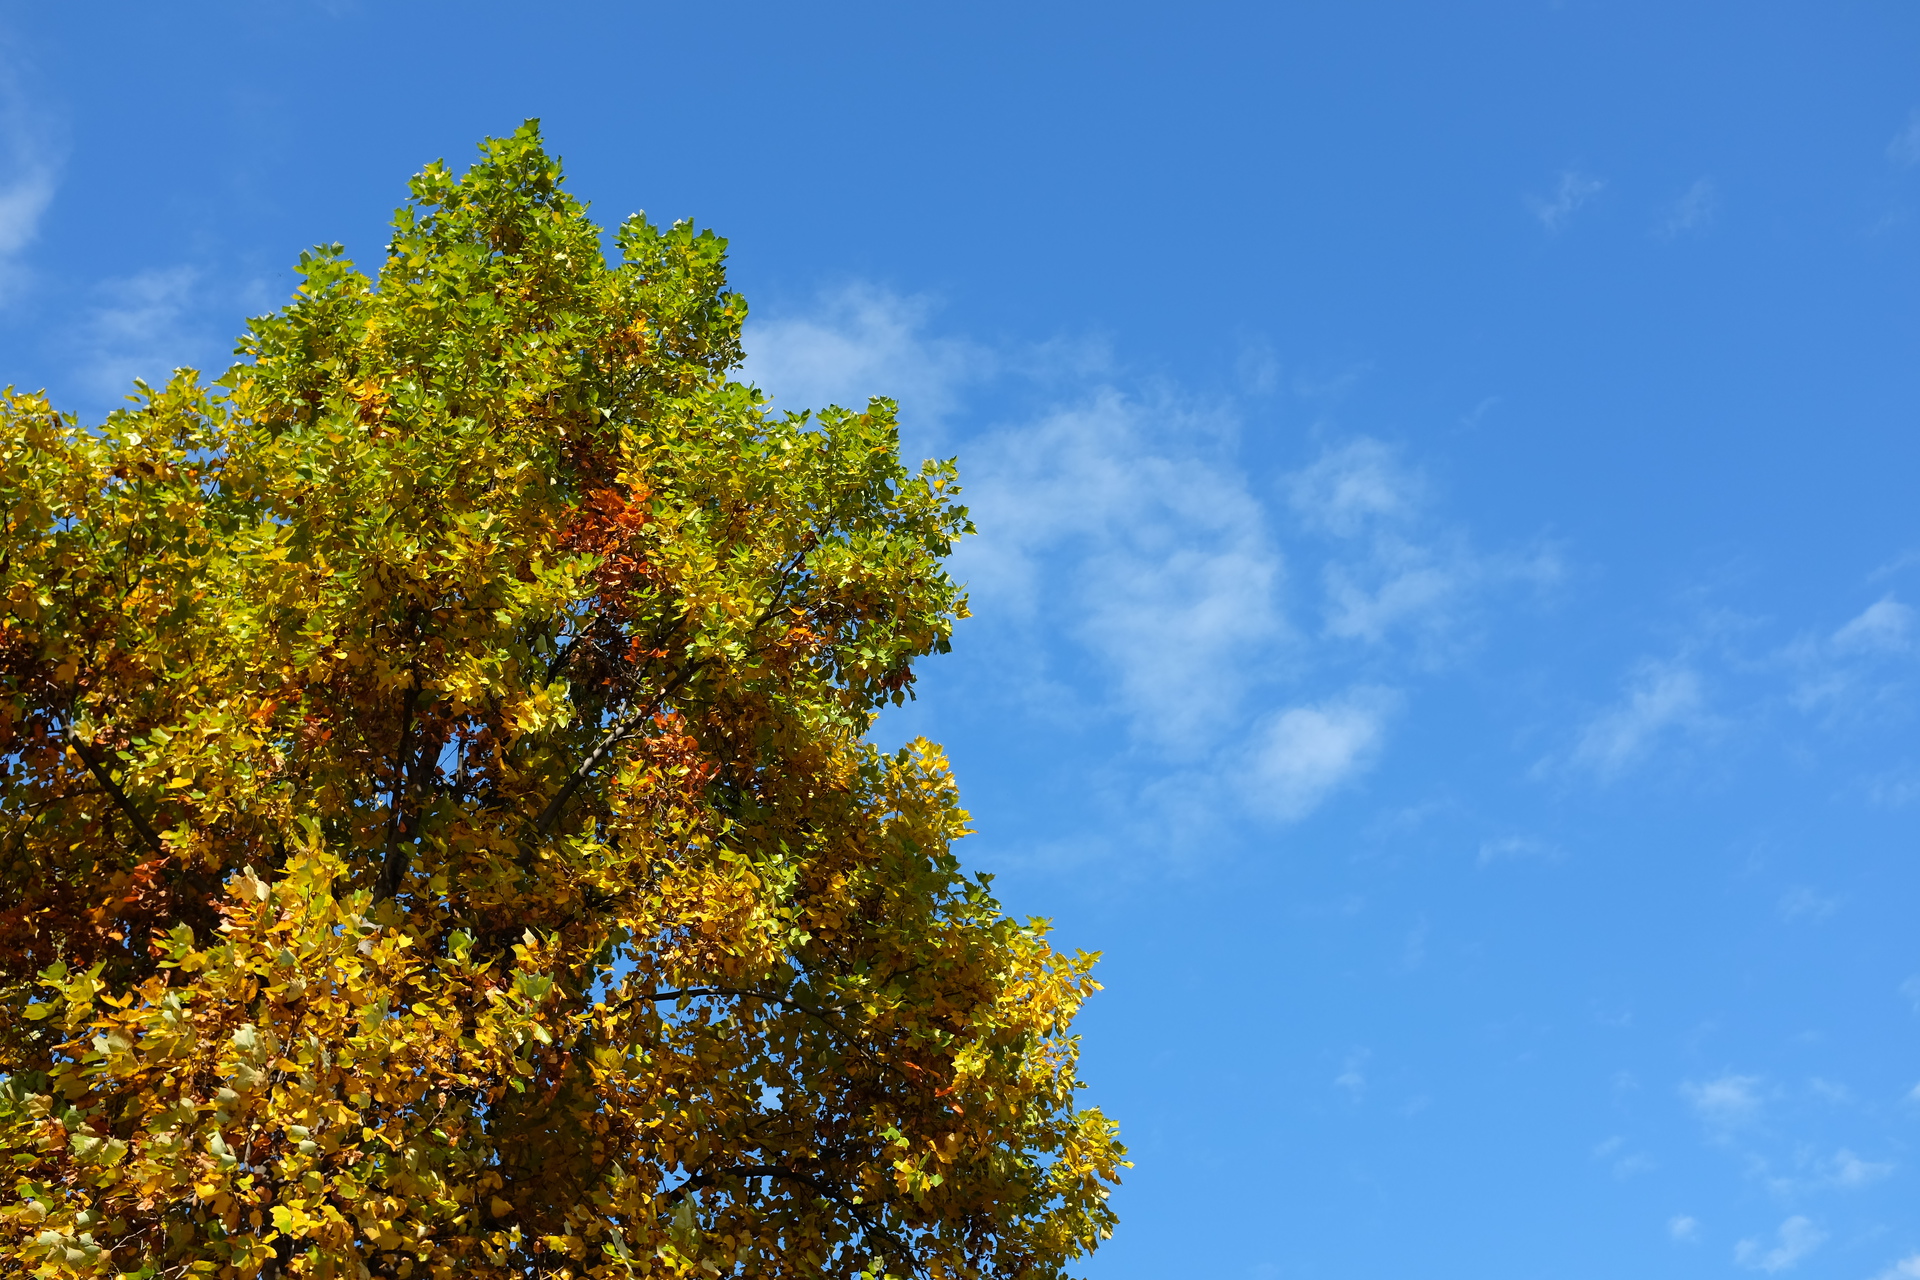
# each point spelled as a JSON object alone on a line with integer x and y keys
{"x": 1448, "y": 559}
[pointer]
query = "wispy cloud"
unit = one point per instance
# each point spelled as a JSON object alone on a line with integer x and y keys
{"x": 1684, "y": 1228}
{"x": 142, "y": 328}
{"x": 1391, "y": 568}
{"x": 1905, "y": 1269}
{"x": 1801, "y": 903}
{"x": 1831, "y": 1091}
{"x": 1849, "y": 1172}
{"x": 1854, "y": 674}
{"x": 26, "y": 190}
{"x": 1402, "y": 583}
{"x": 1905, "y": 148}
{"x": 1123, "y": 564}
{"x": 1662, "y": 698}
{"x": 1352, "y": 1078}
{"x": 1810, "y": 1173}
{"x": 29, "y": 175}
{"x": 1517, "y": 849}
{"x": 1725, "y": 1102}
{"x": 1303, "y": 754}
{"x": 1574, "y": 190}
{"x": 1885, "y": 626}
{"x": 859, "y": 341}
{"x": 1859, "y": 666}
{"x": 1693, "y": 211}
{"x": 1352, "y": 487}
{"x": 1624, "y": 1163}
{"x": 1126, "y": 523}
{"x": 1359, "y": 493}
{"x": 1895, "y": 788}
{"x": 1797, "y": 1238}
{"x": 1129, "y": 569}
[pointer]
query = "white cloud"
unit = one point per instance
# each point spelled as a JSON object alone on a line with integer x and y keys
{"x": 1407, "y": 584}
{"x": 860, "y": 342}
{"x": 1849, "y": 1171}
{"x": 1830, "y": 1091}
{"x": 1885, "y": 626}
{"x": 1516, "y": 849}
{"x": 1352, "y": 1077}
{"x": 1352, "y": 486}
{"x": 1630, "y": 1165}
{"x": 1123, "y": 566}
{"x": 1905, "y": 1269}
{"x": 1487, "y": 404}
{"x": 1904, "y": 560}
{"x": 143, "y": 329}
{"x": 1574, "y": 190}
{"x": 1725, "y": 1102}
{"x": 1856, "y": 667}
{"x": 1797, "y": 1237}
{"x": 29, "y": 175}
{"x": 1802, "y": 903}
{"x": 1625, "y": 1164}
{"x": 1905, "y": 147}
{"x": 1911, "y": 990}
{"x": 1359, "y": 492}
{"x": 1303, "y": 754}
{"x": 1127, "y": 524}
{"x": 1413, "y": 952}
{"x": 1693, "y": 211}
{"x": 1895, "y": 789}
{"x": 1389, "y": 569}
{"x": 1126, "y": 565}
{"x": 25, "y": 194}
{"x": 1661, "y": 697}
{"x": 1684, "y": 1227}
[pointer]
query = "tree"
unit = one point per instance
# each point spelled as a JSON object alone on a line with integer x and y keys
{"x": 440, "y": 836}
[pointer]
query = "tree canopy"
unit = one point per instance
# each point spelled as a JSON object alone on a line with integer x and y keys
{"x": 439, "y": 833}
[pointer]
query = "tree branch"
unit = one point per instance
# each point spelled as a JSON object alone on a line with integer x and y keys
{"x": 877, "y": 1058}
{"x": 820, "y": 1186}
{"x": 101, "y": 775}
{"x": 564, "y": 652}
{"x": 611, "y": 739}
{"x": 739, "y": 992}
{"x": 394, "y": 864}
{"x": 634, "y": 715}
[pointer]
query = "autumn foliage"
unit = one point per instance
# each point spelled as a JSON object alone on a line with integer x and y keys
{"x": 438, "y": 833}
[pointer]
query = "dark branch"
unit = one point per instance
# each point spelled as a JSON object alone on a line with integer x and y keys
{"x": 621, "y": 728}
{"x": 633, "y": 716}
{"x": 740, "y": 992}
{"x": 98, "y": 768}
{"x": 780, "y": 589}
{"x": 826, "y": 1016}
{"x": 902, "y": 1256}
{"x": 565, "y": 651}
{"x": 394, "y": 865}
{"x": 37, "y": 807}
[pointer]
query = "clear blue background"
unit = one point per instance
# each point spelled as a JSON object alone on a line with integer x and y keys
{"x": 1446, "y": 483}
